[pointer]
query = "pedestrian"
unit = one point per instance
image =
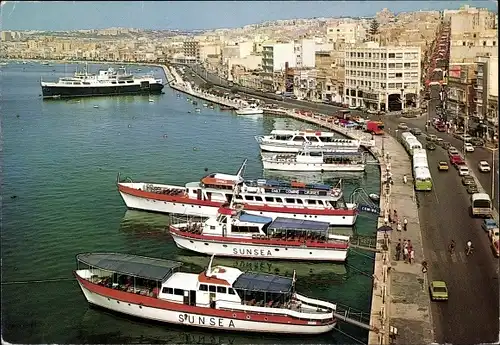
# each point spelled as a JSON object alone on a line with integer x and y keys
{"x": 412, "y": 256}
{"x": 405, "y": 224}
{"x": 390, "y": 217}
{"x": 398, "y": 228}
{"x": 405, "y": 179}
{"x": 398, "y": 251}
{"x": 395, "y": 218}
{"x": 386, "y": 220}
{"x": 405, "y": 254}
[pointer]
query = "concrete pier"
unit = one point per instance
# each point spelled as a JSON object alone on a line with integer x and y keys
{"x": 178, "y": 84}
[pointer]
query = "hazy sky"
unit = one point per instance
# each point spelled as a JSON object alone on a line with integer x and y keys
{"x": 73, "y": 15}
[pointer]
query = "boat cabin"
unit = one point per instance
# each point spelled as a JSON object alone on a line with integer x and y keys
{"x": 325, "y": 157}
{"x": 311, "y": 136}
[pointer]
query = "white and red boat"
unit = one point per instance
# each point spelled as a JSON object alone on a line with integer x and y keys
{"x": 268, "y": 198}
{"x": 221, "y": 297}
{"x": 235, "y": 233}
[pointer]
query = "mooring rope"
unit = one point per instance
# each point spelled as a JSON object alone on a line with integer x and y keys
{"x": 55, "y": 280}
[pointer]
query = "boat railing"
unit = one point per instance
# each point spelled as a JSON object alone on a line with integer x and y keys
{"x": 318, "y": 315}
{"x": 184, "y": 221}
{"x": 315, "y": 302}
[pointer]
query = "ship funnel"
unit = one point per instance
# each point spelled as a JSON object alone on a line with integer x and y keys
{"x": 209, "y": 268}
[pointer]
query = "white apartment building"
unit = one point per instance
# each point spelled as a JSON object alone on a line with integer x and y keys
{"x": 382, "y": 78}
{"x": 350, "y": 33}
{"x": 300, "y": 54}
{"x": 487, "y": 88}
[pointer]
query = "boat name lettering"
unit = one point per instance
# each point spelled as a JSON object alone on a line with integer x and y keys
{"x": 255, "y": 252}
{"x": 202, "y": 320}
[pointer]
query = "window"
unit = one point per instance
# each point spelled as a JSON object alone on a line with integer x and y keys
{"x": 258, "y": 198}
{"x": 167, "y": 290}
{"x": 248, "y": 197}
{"x": 463, "y": 43}
{"x": 269, "y": 199}
{"x": 211, "y": 288}
{"x": 279, "y": 200}
{"x": 392, "y": 75}
{"x": 221, "y": 289}
{"x": 484, "y": 43}
{"x": 290, "y": 201}
{"x": 399, "y": 65}
{"x": 399, "y": 75}
{"x": 399, "y": 85}
{"x": 203, "y": 287}
{"x": 231, "y": 291}
{"x": 494, "y": 43}
{"x": 392, "y": 65}
{"x": 311, "y": 202}
{"x": 399, "y": 55}
{"x": 179, "y": 292}
{"x": 391, "y": 56}
{"x": 407, "y": 65}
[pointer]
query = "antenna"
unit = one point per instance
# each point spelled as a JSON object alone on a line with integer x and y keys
{"x": 209, "y": 268}
{"x": 241, "y": 170}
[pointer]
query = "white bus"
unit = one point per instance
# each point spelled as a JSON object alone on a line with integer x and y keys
{"x": 481, "y": 205}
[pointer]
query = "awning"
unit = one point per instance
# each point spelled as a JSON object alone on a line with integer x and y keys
{"x": 263, "y": 282}
{"x": 281, "y": 223}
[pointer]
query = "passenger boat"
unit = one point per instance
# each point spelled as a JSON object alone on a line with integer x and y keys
{"x": 261, "y": 197}
{"x": 293, "y": 141}
{"x": 221, "y": 297}
{"x": 315, "y": 160}
{"x": 252, "y": 109}
{"x": 105, "y": 83}
{"x": 235, "y": 233}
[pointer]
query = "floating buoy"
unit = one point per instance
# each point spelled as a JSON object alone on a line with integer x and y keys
{"x": 129, "y": 126}
{"x": 17, "y": 115}
{"x": 13, "y": 197}
{"x": 165, "y": 136}
{"x": 195, "y": 149}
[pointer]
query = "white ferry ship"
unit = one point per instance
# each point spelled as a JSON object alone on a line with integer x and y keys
{"x": 294, "y": 140}
{"x": 268, "y": 198}
{"x": 221, "y": 297}
{"x": 315, "y": 160}
{"x": 105, "y": 83}
{"x": 251, "y": 109}
{"x": 235, "y": 233}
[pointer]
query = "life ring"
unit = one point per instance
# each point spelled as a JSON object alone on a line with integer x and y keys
{"x": 336, "y": 193}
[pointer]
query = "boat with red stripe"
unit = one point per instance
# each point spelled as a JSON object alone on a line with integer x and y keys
{"x": 269, "y": 198}
{"x": 221, "y": 297}
{"x": 236, "y": 233}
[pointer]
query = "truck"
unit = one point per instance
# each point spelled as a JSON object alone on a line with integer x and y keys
{"x": 374, "y": 127}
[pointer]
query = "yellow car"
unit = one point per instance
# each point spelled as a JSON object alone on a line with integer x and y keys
{"x": 443, "y": 166}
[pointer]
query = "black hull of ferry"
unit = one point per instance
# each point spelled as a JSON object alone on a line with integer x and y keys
{"x": 91, "y": 91}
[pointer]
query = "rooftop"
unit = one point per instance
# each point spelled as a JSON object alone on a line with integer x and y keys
{"x": 299, "y": 224}
{"x": 263, "y": 282}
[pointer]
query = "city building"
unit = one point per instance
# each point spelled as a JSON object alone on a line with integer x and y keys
{"x": 191, "y": 51}
{"x": 382, "y": 78}
{"x": 299, "y": 54}
{"x": 487, "y": 89}
{"x": 349, "y": 33}
{"x": 460, "y": 91}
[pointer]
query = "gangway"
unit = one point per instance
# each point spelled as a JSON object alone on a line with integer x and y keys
{"x": 354, "y": 317}
{"x": 366, "y": 204}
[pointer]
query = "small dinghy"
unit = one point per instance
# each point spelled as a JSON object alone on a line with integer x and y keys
{"x": 374, "y": 197}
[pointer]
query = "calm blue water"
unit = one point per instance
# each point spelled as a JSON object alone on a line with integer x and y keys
{"x": 60, "y": 161}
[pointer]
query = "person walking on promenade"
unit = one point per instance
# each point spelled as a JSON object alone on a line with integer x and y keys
{"x": 398, "y": 251}
{"x": 405, "y": 179}
{"x": 406, "y": 254}
{"x": 412, "y": 256}
{"x": 405, "y": 224}
{"x": 398, "y": 228}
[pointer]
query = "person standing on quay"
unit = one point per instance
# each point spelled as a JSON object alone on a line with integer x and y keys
{"x": 398, "y": 250}
{"x": 405, "y": 224}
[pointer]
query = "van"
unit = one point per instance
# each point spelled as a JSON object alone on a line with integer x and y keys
{"x": 463, "y": 170}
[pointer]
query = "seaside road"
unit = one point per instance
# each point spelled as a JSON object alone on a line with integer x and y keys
{"x": 471, "y": 314}
{"x": 472, "y": 159}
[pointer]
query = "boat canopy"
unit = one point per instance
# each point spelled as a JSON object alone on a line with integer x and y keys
{"x": 263, "y": 282}
{"x": 290, "y": 224}
{"x": 137, "y": 266}
{"x": 251, "y": 218}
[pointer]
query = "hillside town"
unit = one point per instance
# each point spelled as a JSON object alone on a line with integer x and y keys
{"x": 384, "y": 63}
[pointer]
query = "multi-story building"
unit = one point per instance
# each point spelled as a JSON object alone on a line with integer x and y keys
{"x": 382, "y": 78}
{"x": 191, "y": 51}
{"x": 460, "y": 91}
{"x": 487, "y": 89}
{"x": 349, "y": 33}
{"x": 300, "y": 54}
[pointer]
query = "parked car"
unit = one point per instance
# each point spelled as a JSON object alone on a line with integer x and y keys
{"x": 477, "y": 142}
{"x": 468, "y": 180}
{"x": 472, "y": 189}
{"x": 489, "y": 224}
{"x": 403, "y": 126}
{"x": 438, "y": 290}
{"x": 483, "y": 166}
{"x": 415, "y": 131}
{"x": 443, "y": 166}
{"x": 446, "y": 145}
{"x": 468, "y": 147}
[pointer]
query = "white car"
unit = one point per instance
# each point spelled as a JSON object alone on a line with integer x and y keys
{"x": 463, "y": 170}
{"x": 484, "y": 166}
{"x": 468, "y": 147}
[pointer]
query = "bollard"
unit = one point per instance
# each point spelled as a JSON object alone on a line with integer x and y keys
{"x": 384, "y": 273}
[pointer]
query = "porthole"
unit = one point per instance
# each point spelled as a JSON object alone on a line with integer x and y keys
{"x": 265, "y": 319}
{"x": 310, "y": 253}
{"x": 224, "y": 245}
{"x": 343, "y": 217}
{"x": 206, "y": 243}
{"x": 140, "y": 307}
{"x": 191, "y": 241}
{"x": 248, "y": 317}
{"x": 295, "y": 215}
{"x": 129, "y": 304}
{"x": 234, "y": 315}
{"x": 109, "y": 299}
{"x": 118, "y": 302}
{"x": 276, "y": 249}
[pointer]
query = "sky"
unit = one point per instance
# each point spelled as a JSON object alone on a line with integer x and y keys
{"x": 191, "y": 15}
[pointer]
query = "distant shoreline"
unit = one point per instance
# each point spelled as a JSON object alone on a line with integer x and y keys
{"x": 158, "y": 64}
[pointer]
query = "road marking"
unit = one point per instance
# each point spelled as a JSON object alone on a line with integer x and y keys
{"x": 463, "y": 257}
{"x": 434, "y": 257}
{"x": 444, "y": 256}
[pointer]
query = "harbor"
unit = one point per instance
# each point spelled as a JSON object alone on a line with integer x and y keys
{"x": 114, "y": 126}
